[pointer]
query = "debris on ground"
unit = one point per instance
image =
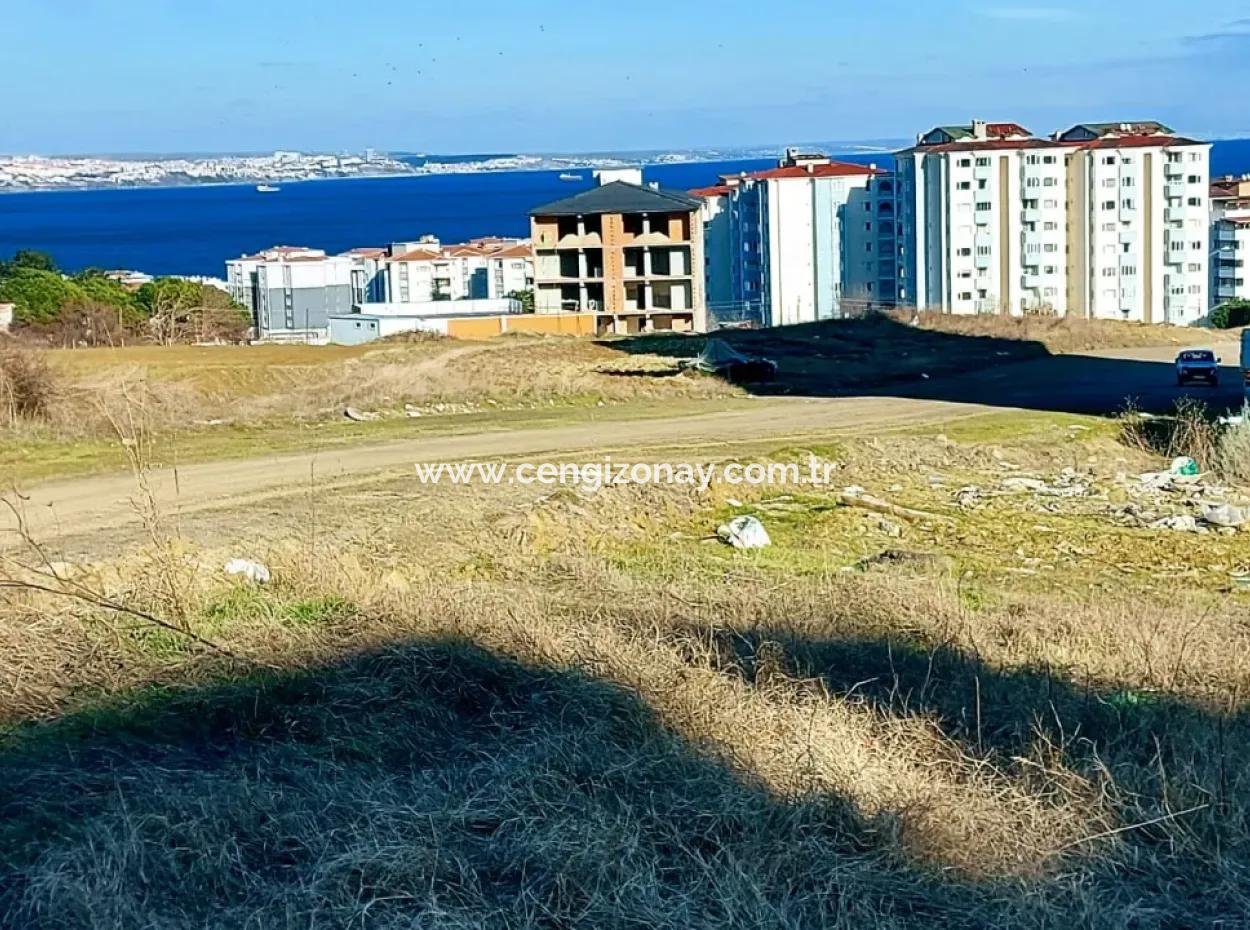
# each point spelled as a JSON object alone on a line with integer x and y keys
{"x": 357, "y": 416}
{"x": 908, "y": 559}
{"x": 412, "y": 412}
{"x": 1226, "y": 515}
{"x": 1184, "y": 466}
{"x": 720, "y": 358}
{"x": 745, "y": 533}
{"x": 857, "y": 497}
{"x": 1182, "y": 524}
{"x": 255, "y": 572}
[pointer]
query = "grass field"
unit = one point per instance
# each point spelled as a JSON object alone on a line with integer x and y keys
{"x": 497, "y": 707}
{"x": 209, "y": 402}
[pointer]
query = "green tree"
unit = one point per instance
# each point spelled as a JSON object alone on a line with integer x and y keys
{"x": 107, "y": 292}
{"x": 526, "y": 298}
{"x": 1232, "y": 314}
{"x": 37, "y": 295}
{"x": 179, "y": 310}
{"x": 27, "y": 258}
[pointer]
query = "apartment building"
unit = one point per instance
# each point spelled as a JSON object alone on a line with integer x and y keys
{"x": 292, "y": 291}
{"x": 631, "y": 254}
{"x": 1101, "y": 220}
{"x": 974, "y": 203}
{"x": 812, "y": 239}
{"x": 481, "y": 269}
{"x": 1139, "y": 240}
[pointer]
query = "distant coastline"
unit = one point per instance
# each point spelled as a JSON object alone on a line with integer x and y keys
{"x": 433, "y": 167}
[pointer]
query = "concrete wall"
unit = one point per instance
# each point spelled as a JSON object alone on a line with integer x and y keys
{"x": 356, "y": 329}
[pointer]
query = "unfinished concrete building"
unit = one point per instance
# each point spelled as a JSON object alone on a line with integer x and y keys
{"x": 628, "y": 253}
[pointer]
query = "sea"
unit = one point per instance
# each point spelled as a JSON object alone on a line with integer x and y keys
{"x": 194, "y": 230}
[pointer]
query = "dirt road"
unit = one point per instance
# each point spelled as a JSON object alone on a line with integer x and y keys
{"x": 1096, "y": 383}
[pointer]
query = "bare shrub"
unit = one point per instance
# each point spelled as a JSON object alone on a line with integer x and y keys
{"x": 1232, "y": 453}
{"x": 27, "y": 383}
{"x": 85, "y": 323}
{"x": 1189, "y": 430}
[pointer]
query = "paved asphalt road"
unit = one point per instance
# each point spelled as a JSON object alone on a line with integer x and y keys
{"x": 1096, "y": 383}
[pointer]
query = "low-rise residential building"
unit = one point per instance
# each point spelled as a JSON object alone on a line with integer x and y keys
{"x": 1102, "y": 220}
{"x": 812, "y": 239}
{"x": 630, "y": 253}
{"x": 292, "y": 291}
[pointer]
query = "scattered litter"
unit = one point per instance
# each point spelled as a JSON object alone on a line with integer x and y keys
{"x": 412, "y": 412}
{"x": 854, "y": 491}
{"x": 908, "y": 559}
{"x": 1184, "y": 466}
{"x": 1226, "y": 515}
{"x": 1237, "y": 420}
{"x": 968, "y": 497}
{"x": 1181, "y": 524}
{"x": 254, "y": 572}
{"x": 733, "y": 502}
{"x": 745, "y": 533}
{"x": 1024, "y": 484}
{"x": 720, "y": 358}
{"x": 357, "y": 416}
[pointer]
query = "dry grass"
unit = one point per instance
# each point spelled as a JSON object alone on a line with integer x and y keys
{"x": 511, "y": 711}
{"x": 1058, "y": 334}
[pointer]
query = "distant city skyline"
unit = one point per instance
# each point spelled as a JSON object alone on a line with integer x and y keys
{"x": 571, "y": 77}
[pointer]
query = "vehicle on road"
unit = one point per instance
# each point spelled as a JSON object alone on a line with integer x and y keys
{"x": 1198, "y": 365}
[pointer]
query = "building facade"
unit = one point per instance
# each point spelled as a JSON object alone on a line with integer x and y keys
{"x": 1103, "y": 220}
{"x": 630, "y": 254}
{"x": 812, "y": 239}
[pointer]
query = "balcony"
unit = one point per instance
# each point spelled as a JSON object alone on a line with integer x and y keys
{"x": 985, "y": 306}
{"x": 1031, "y": 280}
{"x": 1127, "y": 236}
{"x": 984, "y": 261}
{"x": 1174, "y": 190}
{"x": 982, "y": 217}
{"x": 983, "y": 172}
{"x": 1032, "y": 215}
{"x": 1173, "y": 169}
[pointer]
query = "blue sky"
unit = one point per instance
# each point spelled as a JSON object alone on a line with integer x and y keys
{"x": 551, "y": 75}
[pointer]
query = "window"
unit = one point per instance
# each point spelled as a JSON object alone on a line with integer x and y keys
{"x": 984, "y": 206}
{"x": 1128, "y": 181}
{"x": 965, "y": 163}
{"x": 868, "y": 227}
{"x": 1128, "y": 203}
{"x": 983, "y": 185}
{"x": 1195, "y": 201}
{"x": 1051, "y": 292}
{"x": 1030, "y": 204}
{"x": 867, "y": 246}
{"x": 965, "y": 253}
{"x": 1050, "y": 182}
{"x": 1050, "y": 204}
{"x": 1033, "y": 182}
{"x": 1051, "y": 247}
{"x": 1050, "y": 226}
{"x": 1050, "y": 269}
{"x": 1108, "y": 272}
{"x": 1128, "y": 270}
{"x": 964, "y": 186}
{"x": 1193, "y": 266}
{"x": 966, "y": 295}
{"x": 1195, "y": 288}
{"x": 983, "y": 250}
{"x": 1048, "y": 160}
{"x": 1108, "y": 159}
{"x": 1108, "y": 227}
{"x": 1108, "y": 182}
{"x": 1196, "y": 246}
{"x": 1108, "y": 204}
{"x": 1031, "y": 160}
{"x": 1194, "y": 179}
{"x": 983, "y": 162}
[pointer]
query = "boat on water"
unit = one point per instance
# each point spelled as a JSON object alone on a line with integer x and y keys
{"x": 570, "y": 177}
{"x": 267, "y": 189}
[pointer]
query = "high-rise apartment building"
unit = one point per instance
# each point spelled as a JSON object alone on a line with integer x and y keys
{"x": 812, "y": 239}
{"x": 1102, "y": 220}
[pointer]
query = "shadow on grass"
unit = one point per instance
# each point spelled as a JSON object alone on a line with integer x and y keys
{"x": 880, "y": 356}
{"x": 1156, "y": 754}
{"x": 439, "y": 785}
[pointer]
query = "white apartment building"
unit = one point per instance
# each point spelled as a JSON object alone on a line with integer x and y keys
{"x": 812, "y": 239}
{"x": 1230, "y": 239}
{"x": 482, "y": 269}
{"x": 1103, "y": 220}
{"x": 292, "y": 291}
